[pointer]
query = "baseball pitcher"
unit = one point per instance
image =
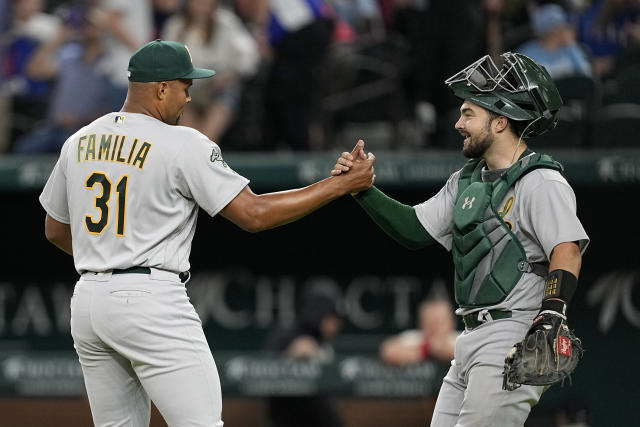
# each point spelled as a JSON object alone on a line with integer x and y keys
{"x": 123, "y": 199}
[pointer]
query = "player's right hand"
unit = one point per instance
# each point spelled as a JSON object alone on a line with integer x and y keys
{"x": 346, "y": 159}
{"x": 361, "y": 174}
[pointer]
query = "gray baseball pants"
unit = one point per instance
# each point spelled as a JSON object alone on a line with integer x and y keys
{"x": 139, "y": 339}
{"x": 471, "y": 394}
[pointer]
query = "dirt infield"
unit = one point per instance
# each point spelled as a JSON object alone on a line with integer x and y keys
{"x": 236, "y": 412}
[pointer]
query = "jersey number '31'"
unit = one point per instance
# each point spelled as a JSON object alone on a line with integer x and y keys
{"x": 102, "y": 203}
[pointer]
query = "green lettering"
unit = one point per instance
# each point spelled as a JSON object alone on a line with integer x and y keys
{"x": 105, "y": 146}
{"x": 133, "y": 147}
{"x": 91, "y": 147}
{"x": 80, "y": 147}
{"x": 115, "y": 144}
{"x": 119, "y": 159}
{"x": 142, "y": 154}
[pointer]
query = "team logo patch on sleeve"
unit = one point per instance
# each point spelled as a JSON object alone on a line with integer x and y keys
{"x": 564, "y": 346}
{"x": 216, "y": 156}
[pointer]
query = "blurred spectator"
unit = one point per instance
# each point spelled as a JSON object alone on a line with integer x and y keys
{"x": 5, "y": 110}
{"x": 319, "y": 320}
{"x": 360, "y": 81}
{"x": 162, "y": 11}
{"x": 74, "y": 58}
{"x": 443, "y": 36}
{"x": 508, "y": 24}
{"x": 29, "y": 27}
{"x": 555, "y": 44}
{"x": 4, "y": 15}
{"x": 357, "y": 19}
{"x": 217, "y": 39}
{"x": 573, "y": 412}
{"x": 435, "y": 339}
{"x": 607, "y": 28}
{"x": 299, "y": 33}
{"x": 126, "y": 26}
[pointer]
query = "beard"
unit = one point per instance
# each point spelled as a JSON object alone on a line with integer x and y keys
{"x": 478, "y": 145}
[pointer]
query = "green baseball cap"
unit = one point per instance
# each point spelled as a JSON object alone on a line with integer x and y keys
{"x": 161, "y": 60}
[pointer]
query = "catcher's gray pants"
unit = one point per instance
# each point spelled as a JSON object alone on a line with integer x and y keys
{"x": 139, "y": 338}
{"x": 471, "y": 394}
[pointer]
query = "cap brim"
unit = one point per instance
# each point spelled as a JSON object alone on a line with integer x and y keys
{"x": 199, "y": 73}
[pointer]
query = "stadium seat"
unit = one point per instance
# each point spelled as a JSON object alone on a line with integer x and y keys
{"x": 617, "y": 125}
{"x": 362, "y": 88}
{"x": 581, "y": 97}
{"x": 628, "y": 84}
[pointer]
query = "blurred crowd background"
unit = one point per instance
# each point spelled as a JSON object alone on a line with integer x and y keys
{"x": 316, "y": 74}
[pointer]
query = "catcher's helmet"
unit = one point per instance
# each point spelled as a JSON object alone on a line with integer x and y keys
{"x": 520, "y": 90}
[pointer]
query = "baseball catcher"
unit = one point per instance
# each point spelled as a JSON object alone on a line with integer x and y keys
{"x": 550, "y": 351}
{"x": 508, "y": 216}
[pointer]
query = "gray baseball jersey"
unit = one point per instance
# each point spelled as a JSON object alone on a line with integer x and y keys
{"x": 541, "y": 210}
{"x": 130, "y": 186}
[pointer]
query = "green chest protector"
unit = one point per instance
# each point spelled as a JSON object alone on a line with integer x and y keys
{"x": 489, "y": 259}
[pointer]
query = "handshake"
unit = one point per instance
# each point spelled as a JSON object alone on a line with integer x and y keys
{"x": 355, "y": 169}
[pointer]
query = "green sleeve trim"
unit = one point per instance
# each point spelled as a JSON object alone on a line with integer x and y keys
{"x": 396, "y": 219}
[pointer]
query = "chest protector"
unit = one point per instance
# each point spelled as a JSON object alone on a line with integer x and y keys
{"x": 489, "y": 259}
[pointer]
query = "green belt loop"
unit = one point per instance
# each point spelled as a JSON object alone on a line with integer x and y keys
{"x": 471, "y": 320}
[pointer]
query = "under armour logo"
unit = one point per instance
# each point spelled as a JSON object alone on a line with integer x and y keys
{"x": 468, "y": 203}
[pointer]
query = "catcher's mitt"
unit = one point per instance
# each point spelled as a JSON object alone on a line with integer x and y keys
{"x": 544, "y": 357}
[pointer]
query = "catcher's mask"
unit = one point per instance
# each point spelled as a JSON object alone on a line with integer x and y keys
{"x": 520, "y": 90}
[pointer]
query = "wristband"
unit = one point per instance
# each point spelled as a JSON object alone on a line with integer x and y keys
{"x": 560, "y": 284}
{"x": 558, "y": 291}
{"x": 554, "y": 306}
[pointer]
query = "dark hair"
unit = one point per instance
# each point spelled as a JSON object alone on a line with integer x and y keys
{"x": 517, "y": 126}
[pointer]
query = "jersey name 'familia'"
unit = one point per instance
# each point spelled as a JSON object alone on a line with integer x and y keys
{"x": 122, "y": 162}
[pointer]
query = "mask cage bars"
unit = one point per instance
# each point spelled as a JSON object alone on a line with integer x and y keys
{"x": 485, "y": 76}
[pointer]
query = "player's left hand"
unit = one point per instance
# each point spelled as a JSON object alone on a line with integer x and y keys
{"x": 549, "y": 321}
{"x": 548, "y": 354}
